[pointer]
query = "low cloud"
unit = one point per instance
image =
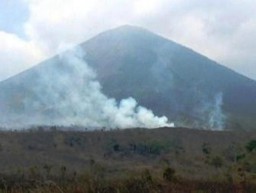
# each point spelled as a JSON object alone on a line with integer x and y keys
{"x": 16, "y": 54}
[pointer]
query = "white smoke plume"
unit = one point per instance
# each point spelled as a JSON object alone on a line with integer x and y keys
{"x": 216, "y": 116}
{"x": 68, "y": 93}
{"x": 209, "y": 113}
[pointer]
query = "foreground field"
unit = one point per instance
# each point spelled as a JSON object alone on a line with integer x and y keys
{"x": 134, "y": 160}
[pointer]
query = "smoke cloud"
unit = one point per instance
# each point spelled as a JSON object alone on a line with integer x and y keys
{"x": 68, "y": 93}
{"x": 216, "y": 115}
{"x": 209, "y": 113}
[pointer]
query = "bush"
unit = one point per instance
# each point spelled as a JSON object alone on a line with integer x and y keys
{"x": 206, "y": 149}
{"x": 251, "y": 146}
{"x": 217, "y": 162}
{"x": 169, "y": 174}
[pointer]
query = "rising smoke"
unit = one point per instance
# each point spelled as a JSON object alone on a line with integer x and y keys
{"x": 68, "y": 93}
{"x": 216, "y": 115}
{"x": 209, "y": 112}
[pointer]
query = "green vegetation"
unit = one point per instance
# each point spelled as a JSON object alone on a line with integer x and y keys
{"x": 127, "y": 161}
{"x": 251, "y": 146}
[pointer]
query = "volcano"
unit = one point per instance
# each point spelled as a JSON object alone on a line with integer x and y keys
{"x": 164, "y": 76}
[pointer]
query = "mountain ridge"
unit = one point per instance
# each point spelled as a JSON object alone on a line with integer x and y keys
{"x": 138, "y": 28}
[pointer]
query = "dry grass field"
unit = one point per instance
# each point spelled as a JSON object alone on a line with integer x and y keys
{"x": 133, "y": 160}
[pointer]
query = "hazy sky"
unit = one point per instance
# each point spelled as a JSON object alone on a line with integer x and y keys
{"x": 33, "y": 30}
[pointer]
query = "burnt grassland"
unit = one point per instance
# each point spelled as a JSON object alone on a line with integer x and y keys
{"x": 133, "y": 160}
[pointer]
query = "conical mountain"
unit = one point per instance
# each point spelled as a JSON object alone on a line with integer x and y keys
{"x": 166, "y": 77}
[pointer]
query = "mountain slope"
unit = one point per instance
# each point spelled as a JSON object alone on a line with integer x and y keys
{"x": 162, "y": 75}
{"x": 167, "y": 77}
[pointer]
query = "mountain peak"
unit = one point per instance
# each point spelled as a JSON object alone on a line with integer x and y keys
{"x": 129, "y": 28}
{"x": 126, "y": 32}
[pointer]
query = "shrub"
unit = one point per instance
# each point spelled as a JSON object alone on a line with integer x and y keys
{"x": 240, "y": 157}
{"x": 217, "y": 161}
{"x": 206, "y": 149}
{"x": 251, "y": 146}
{"x": 169, "y": 174}
{"x": 146, "y": 175}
